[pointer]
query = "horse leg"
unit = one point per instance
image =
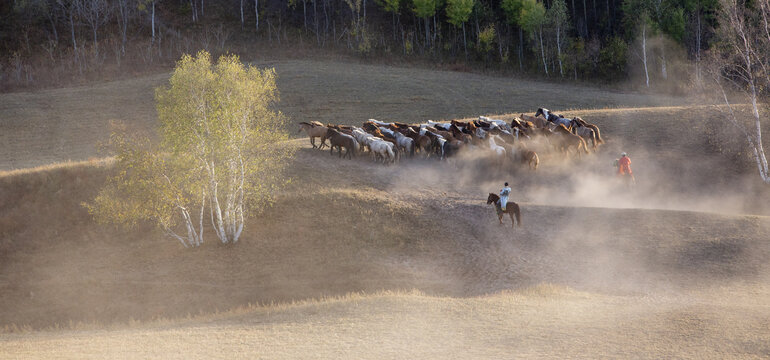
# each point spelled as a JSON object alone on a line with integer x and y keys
{"x": 331, "y": 150}
{"x": 312, "y": 141}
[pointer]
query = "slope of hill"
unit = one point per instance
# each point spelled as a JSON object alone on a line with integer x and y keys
{"x": 361, "y": 260}
{"x": 574, "y": 281}
{"x": 57, "y": 125}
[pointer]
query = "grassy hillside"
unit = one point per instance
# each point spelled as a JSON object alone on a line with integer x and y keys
{"x": 50, "y": 126}
{"x": 361, "y": 260}
{"x": 574, "y": 281}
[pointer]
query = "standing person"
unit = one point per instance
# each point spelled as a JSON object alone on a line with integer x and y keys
{"x": 504, "y": 196}
{"x": 624, "y": 169}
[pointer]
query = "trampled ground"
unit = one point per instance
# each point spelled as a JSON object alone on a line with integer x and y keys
{"x": 361, "y": 260}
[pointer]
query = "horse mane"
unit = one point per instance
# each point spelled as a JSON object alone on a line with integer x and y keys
{"x": 305, "y": 123}
{"x": 316, "y": 123}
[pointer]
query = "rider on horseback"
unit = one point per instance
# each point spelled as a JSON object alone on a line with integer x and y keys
{"x": 624, "y": 169}
{"x": 504, "y": 196}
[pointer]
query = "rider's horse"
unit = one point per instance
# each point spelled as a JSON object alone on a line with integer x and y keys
{"x": 511, "y": 208}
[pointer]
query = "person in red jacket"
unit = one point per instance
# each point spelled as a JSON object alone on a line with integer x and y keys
{"x": 624, "y": 169}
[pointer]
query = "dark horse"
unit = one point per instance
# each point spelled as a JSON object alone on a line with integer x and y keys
{"x": 511, "y": 208}
{"x": 340, "y": 140}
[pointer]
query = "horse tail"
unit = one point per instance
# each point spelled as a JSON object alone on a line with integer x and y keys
{"x": 391, "y": 153}
{"x": 598, "y": 134}
{"x": 411, "y": 149}
{"x": 356, "y": 147}
{"x": 517, "y": 212}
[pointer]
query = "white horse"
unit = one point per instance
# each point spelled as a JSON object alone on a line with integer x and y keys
{"x": 361, "y": 136}
{"x": 381, "y": 149}
{"x": 406, "y": 143}
{"x": 380, "y": 123}
{"x": 481, "y": 133}
{"x": 424, "y": 130}
{"x": 442, "y": 145}
{"x": 502, "y": 125}
{"x": 438, "y": 125}
{"x": 387, "y": 131}
{"x": 499, "y": 150}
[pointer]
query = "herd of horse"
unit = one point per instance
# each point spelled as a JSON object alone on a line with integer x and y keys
{"x": 390, "y": 141}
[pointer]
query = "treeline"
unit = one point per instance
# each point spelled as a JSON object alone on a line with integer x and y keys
{"x": 45, "y": 41}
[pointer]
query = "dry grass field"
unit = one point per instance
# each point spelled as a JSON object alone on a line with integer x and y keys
{"x": 58, "y": 125}
{"x": 359, "y": 260}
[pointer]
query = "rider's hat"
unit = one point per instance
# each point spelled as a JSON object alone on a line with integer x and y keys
{"x": 506, "y": 184}
{"x": 623, "y": 154}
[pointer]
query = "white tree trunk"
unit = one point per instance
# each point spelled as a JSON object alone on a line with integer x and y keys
{"x": 256, "y": 12}
{"x": 315, "y": 20}
{"x": 153, "y": 22}
{"x": 558, "y": 49}
{"x": 542, "y": 51}
{"x": 697, "y": 51}
{"x": 644, "y": 54}
{"x": 760, "y": 151}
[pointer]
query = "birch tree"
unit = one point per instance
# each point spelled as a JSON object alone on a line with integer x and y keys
{"x": 425, "y": 9}
{"x": 559, "y": 19}
{"x": 532, "y": 18}
{"x": 458, "y": 12}
{"x": 219, "y": 157}
{"x": 637, "y": 18}
{"x": 741, "y": 65}
{"x": 94, "y": 13}
{"x": 512, "y": 10}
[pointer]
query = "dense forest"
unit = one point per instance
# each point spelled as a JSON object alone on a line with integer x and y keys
{"x": 49, "y": 42}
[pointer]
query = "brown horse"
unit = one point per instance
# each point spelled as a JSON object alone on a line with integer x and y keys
{"x": 459, "y": 135}
{"x": 526, "y": 156}
{"x": 339, "y": 140}
{"x": 538, "y": 121}
{"x": 511, "y": 208}
{"x": 569, "y": 140}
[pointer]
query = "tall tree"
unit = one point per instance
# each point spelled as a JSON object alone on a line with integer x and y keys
{"x": 425, "y": 9}
{"x": 741, "y": 64}
{"x": 458, "y": 12}
{"x": 559, "y": 22}
{"x": 637, "y": 19}
{"x": 220, "y": 147}
{"x": 393, "y": 7}
{"x": 512, "y": 10}
{"x": 532, "y": 19}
